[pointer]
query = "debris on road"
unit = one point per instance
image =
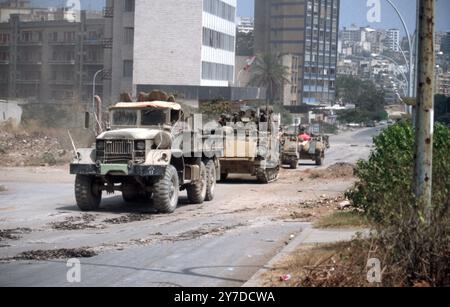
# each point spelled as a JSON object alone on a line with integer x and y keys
{"x": 129, "y": 218}
{"x": 39, "y": 255}
{"x": 344, "y": 205}
{"x": 77, "y": 223}
{"x": 336, "y": 171}
{"x": 3, "y": 188}
{"x": 13, "y": 234}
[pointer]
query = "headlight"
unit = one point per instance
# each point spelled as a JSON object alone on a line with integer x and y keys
{"x": 101, "y": 145}
{"x": 140, "y": 145}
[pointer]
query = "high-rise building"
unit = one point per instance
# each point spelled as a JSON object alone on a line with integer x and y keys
{"x": 445, "y": 43}
{"x": 173, "y": 45}
{"x": 393, "y": 40}
{"x": 307, "y": 29}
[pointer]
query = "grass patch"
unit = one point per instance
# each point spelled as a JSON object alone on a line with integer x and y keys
{"x": 347, "y": 219}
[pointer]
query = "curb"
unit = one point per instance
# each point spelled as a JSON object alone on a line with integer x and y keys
{"x": 253, "y": 282}
{"x": 308, "y": 232}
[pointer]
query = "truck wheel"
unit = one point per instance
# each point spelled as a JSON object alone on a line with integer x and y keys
{"x": 211, "y": 180}
{"x": 87, "y": 193}
{"x": 319, "y": 160}
{"x": 223, "y": 177}
{"x": 166, "y": 190}
{"x": 197, "y": 191}
{"x": 294, "y": 164}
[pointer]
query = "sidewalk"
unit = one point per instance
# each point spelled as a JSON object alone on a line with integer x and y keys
{"x": 309, "y": 236}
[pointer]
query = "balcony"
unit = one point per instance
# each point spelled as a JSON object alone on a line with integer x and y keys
{"x": 108, "y": 12}
{"x": 93, "y": 62}
{"x": 61, "y": 62}
{"x": 93, "y": 42}
{"x": 4, "y": 62}
{"x": 61, "y": 82}
{"x": 29, "y": 62}
{"x": 30, "y": 43}
{"x": 63, "y": 43}
{"x": 28, "y": 81}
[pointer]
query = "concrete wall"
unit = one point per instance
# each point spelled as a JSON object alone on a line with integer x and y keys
{"x": 10, "y": 110}
{"x": 168, "y": 40}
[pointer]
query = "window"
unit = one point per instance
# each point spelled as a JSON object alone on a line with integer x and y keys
{"x": 218, "y": 40}
{"x": 129, "y": 36}
{"x": 129, "y": 5}
{"x": 128, "y": 68}
{"x": 153, "y": 117}
{"x": 124, "y": 118}
{"x": 220, "y": 9}
{"x": 215, "y": 71}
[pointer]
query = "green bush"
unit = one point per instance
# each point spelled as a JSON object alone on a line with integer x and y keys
{"x": 385, "y": 193}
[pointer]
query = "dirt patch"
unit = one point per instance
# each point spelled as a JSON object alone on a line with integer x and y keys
{"x": 39, "y": 255}
{"x": 86, "y": 221}
{"x": 311, "y": 210}
{"x": 336, "y": 171}
{"x": 13, "y": 234}
{"x": 129, "y": 218}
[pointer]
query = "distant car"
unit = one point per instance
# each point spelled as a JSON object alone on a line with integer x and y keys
{"x": 370, "y": 124}
{"x": 390, "y": 122}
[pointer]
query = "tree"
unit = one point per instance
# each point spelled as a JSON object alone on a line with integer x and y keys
{"x": 245, "y": 44}
{"x": 268, "y": 71}
{"x": 368, "y": 100}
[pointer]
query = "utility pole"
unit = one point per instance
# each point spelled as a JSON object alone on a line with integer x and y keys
{"x": 425, "y": 107}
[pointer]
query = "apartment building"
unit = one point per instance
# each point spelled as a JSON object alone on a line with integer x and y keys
{"x": 393, "y": 40}
{"x": 50, "y": 61}
{"x": 307, "y": 29}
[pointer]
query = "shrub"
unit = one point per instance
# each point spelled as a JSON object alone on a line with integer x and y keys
{"x": 385, "y": 193}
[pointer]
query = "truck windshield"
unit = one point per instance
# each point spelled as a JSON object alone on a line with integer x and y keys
{"x": 153, "y": 117}
{"x": 124, "y": 118}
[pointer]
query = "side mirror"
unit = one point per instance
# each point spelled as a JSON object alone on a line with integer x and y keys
{"x": 87, "y": 118}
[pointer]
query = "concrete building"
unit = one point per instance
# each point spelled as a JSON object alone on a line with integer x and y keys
{"x": 307, "y": 29}
{"x": 445, "y": 43}
{"x": 50, "y": 61}
{"x": 393, "y": 40}
{"x": 174, "y": 45}
{"x": 443, "y": 83}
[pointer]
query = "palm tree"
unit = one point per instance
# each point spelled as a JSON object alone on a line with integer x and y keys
{"x": 269, "y": 72}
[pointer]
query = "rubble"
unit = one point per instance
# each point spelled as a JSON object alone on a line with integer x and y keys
{"x": 21, "y": 148}
{"x": 55, "y": 254}
{"x": 13, "y": 234}
{"x": 76, "y": 223}
{"x": 129, "y": 218}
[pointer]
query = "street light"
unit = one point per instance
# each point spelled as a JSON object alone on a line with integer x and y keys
{"x": 411, "y": 73}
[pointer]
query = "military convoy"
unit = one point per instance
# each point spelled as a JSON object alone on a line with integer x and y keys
{"x": 150, "y": 153}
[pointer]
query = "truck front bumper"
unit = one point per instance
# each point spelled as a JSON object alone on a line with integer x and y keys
{"x": 117, "y": 170}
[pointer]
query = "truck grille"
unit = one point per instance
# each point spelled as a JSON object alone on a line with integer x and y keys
{"x": 117, "y": 151}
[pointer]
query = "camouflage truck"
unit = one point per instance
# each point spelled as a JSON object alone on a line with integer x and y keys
{"x": 135, "y": 156}
{"x": 251, "y": 144}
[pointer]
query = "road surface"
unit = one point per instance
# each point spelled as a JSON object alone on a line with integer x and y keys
{"x": 220, "y": 243}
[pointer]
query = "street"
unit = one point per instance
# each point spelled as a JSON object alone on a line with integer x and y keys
{"x": 220, "y": 243}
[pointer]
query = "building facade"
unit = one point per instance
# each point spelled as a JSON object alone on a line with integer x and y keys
{"x": 393, "y": 40}
{"x": 307, "y": 29}
{"x": 50, "y": 61}
{"x": 169, "y": 44}
{"x": 445, "y": 43}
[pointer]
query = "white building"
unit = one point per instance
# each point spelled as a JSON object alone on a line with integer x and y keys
{"x": 245, "y": 24}
{"x": 184, "y": 42}
{"x": 393, "y": 40}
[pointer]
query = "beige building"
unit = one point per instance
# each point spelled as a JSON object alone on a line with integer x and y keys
{"x": 443, "y": 84}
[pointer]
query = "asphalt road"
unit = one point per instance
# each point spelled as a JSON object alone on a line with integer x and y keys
{"x": 219, "y": 243}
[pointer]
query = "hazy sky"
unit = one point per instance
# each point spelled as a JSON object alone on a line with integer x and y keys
{"x": 352, "y": 11}
{"x": 355, "y": 11}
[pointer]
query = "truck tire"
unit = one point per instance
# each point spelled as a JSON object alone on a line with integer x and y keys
{"x": 294, "y": 164}
{"x": 319, "y": 160}
{"x": 210, "y": 180}
{"x": 166, "y": 191}
{"x": 197, "y": 191}
{"x": 87, "y": 195}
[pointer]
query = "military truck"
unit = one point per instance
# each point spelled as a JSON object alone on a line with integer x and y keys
{"x": 294, "y": 149}
{"x": 136, "y": 156}
{"x": 251, "y": 144}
